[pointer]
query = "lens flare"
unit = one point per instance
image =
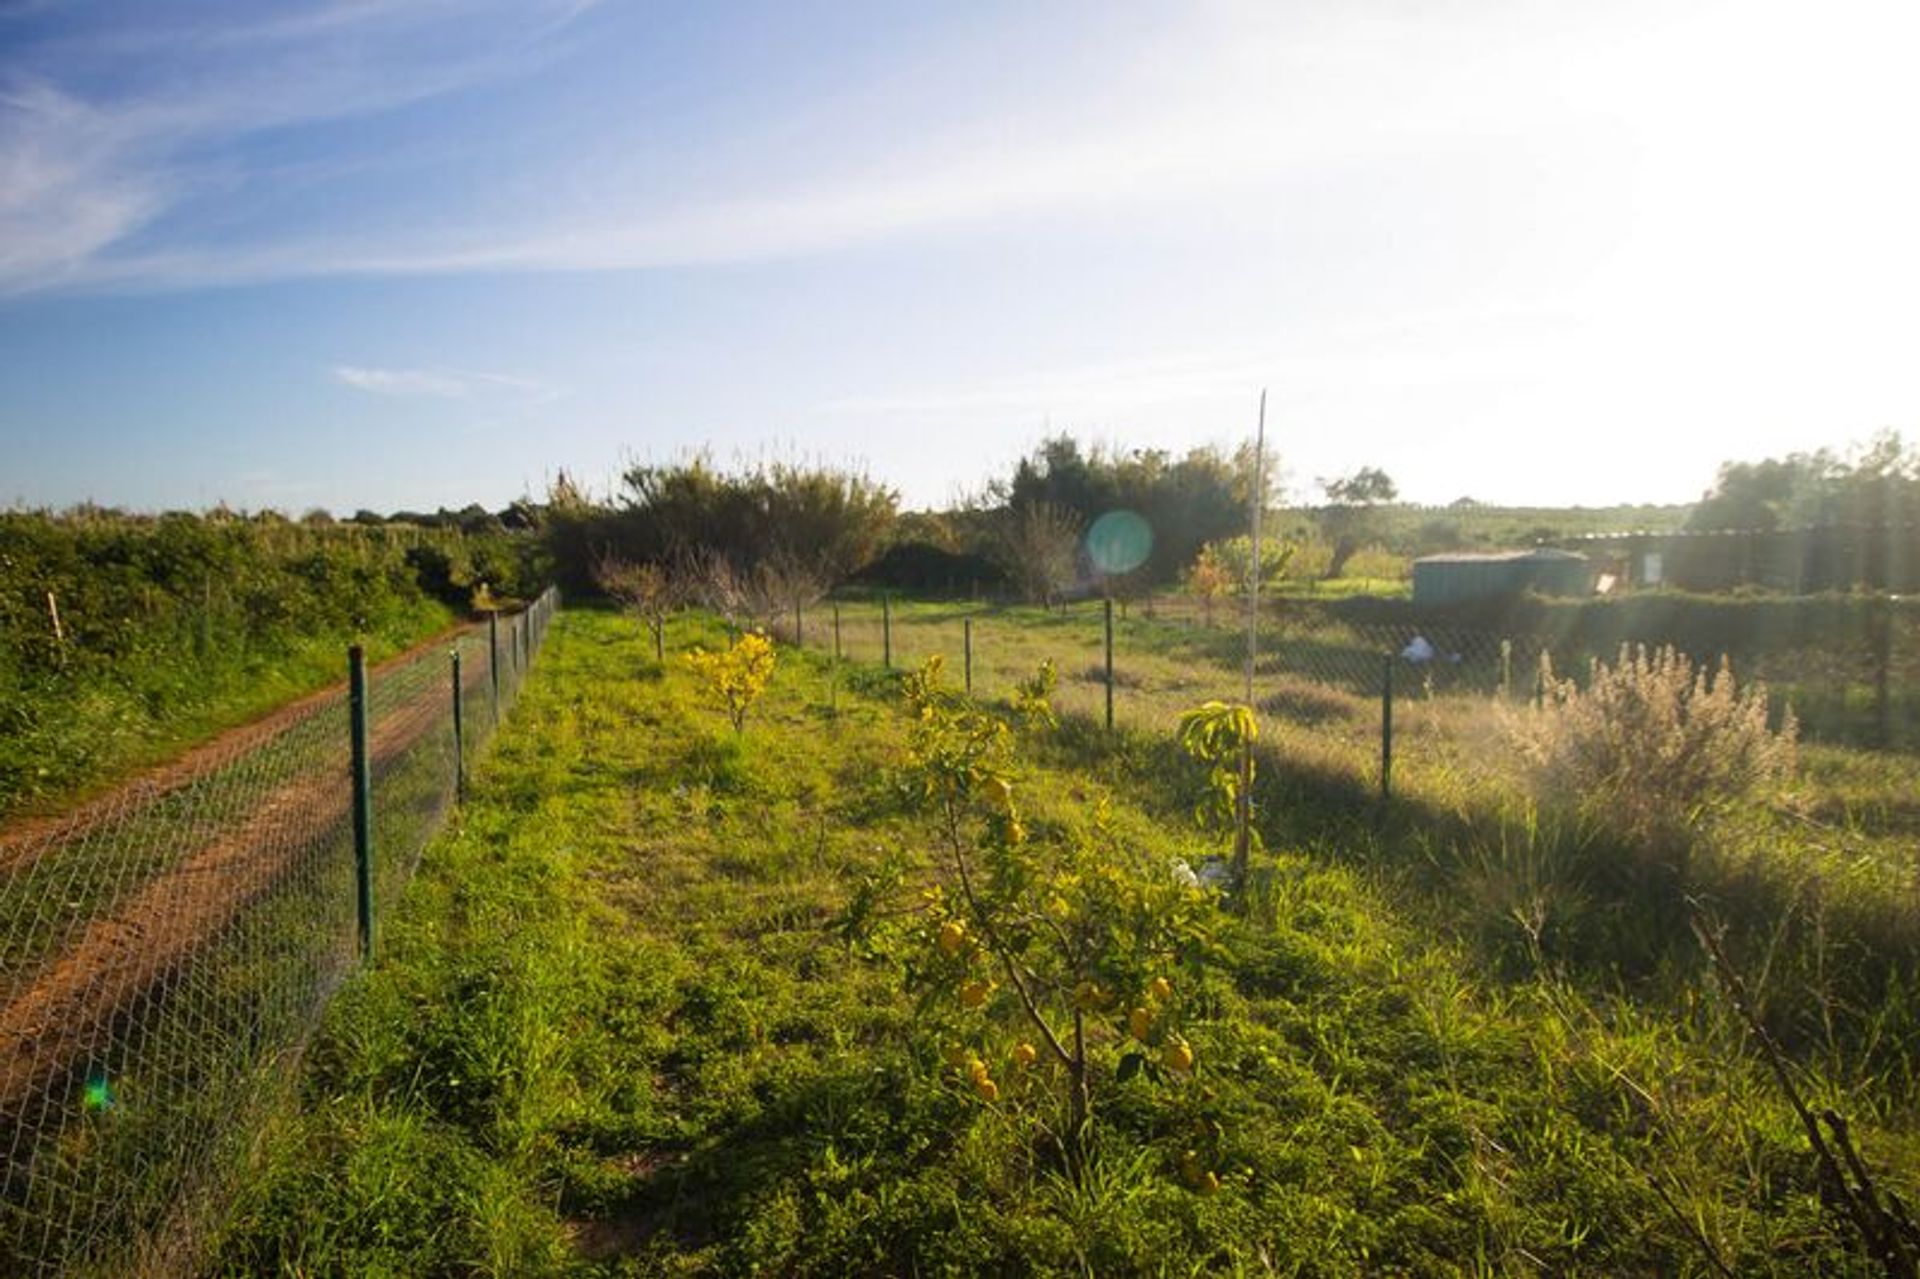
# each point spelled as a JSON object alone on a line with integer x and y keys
{"x": 1119, "y": 542}
{"x": 96, "y": 1096}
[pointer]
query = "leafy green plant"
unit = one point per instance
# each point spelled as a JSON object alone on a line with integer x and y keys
{"x": 1070, "y": 936}
{"x": 1221, "y": 735}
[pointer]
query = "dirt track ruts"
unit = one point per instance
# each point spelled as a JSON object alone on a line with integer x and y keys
{"x": 21, "y": 838}
{"x": 75, "y": 995}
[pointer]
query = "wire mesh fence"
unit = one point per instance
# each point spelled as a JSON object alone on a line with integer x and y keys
{"x": 166, "y": 950}
{"x": 1369, "y": 699}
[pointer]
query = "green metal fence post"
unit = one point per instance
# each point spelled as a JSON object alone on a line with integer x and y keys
{"x": 966, "y": 632}
{"x": 459, "y": 737}
{"x": 1386, "y": 729}
{"x": 1109, "y": 620}
{"x": 493, "y": 662}
{"x": 886, "y": 631}
{"x": 362, "y": 795}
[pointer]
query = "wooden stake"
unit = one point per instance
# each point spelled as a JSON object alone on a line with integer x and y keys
{"x": 59, "y": 632}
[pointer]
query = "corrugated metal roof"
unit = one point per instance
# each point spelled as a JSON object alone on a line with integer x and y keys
{"x": 1540, "y": 555}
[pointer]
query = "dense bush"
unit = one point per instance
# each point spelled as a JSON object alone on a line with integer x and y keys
{"x": 173, "y": 625}
{"x": 1187, "y": 501}
{"x": 829, "y": 521}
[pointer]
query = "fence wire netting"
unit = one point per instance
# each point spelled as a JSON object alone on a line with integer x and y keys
{"x": 166, "y": 950}
{"x": 1321, "y": 687}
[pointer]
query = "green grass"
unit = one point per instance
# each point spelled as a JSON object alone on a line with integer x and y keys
{"x": 614, "y": 1031}
{"x": 1819, "y": 890}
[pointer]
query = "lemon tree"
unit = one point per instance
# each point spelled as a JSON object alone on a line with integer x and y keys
{"x": 1048, "y": 956}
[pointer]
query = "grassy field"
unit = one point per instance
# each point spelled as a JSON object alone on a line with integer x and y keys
{"x": 618, "y": 1028}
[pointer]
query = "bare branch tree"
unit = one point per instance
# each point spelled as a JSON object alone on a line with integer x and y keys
{"x": 652, "y": 591}
{"x": 1039, "y": 545}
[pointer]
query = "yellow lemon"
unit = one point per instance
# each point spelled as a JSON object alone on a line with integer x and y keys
{"x": 976, "y": 1070}
{"x": 1177, "y": 1056}
{"x": 953, "y": 936}
{"x": 974, "y": 993}
{"x": 1139, "y": 1022}
{"x": 1159, "y": 988}
{"x": 1025, "y": 1054}
{"x": 986, "y": 1088}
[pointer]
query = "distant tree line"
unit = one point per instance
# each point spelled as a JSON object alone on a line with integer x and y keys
{"x": 1874, "y": 485}
{"x": 830, "y": 525}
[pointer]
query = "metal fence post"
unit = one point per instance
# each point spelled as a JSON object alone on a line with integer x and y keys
{"x": 362, "y": 795}
{"x": 1880, "y": 613}
{"x": 966, "y": 633}
{"x": 886, "y": 631}
{"x": 459, "y": 736}
{"x": 1109, "y": 621}
{"x": 493, "y": 662}
{"x": 836, "y": 631}
{"x": 1386, "y": 728}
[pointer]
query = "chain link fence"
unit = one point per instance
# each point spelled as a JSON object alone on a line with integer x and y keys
{"x": 166, "y": 950}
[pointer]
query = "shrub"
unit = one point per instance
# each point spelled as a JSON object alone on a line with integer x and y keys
{"x": 1209, "y": 579}
{"x": 1653, "y": 743}
{"x": 738, "y": 675}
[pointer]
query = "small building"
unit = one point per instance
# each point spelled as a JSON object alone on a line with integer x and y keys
{"x": 1790, "y": 561}
{"x": 1460, "y": 577}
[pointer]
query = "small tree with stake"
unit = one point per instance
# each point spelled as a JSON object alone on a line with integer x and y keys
{"x": 1221, "y": 736}
{"x": 1073, "y": 937}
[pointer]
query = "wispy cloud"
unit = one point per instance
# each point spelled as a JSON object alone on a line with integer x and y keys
{"x": 451, "y": 384}
{"x": 83, "y": 173}
{"x": 1237, "y": 102}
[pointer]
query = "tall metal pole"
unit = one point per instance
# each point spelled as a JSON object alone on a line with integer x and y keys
{"x": 362, "y": 795}
{"x": 1253, "y": 565}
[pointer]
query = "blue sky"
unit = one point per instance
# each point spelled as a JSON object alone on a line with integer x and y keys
{"x": 405, "y": 253}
